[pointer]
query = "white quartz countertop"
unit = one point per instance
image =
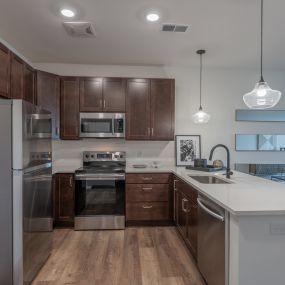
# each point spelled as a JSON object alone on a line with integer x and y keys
{"x": 245, "y": 195}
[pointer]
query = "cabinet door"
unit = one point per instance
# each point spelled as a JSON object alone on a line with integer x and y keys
{"x": 192, "y": 221}
{"x": 69, "y": 108}
{"x": 48, "y": 96}
{"x": 29, "y": 84}
{"x": 114, "y": 99}
{"x": 138, "y": 109}
{"x": 64, "y": 200}
{"x": 17, "y": 78}
{"x": 4, "y": 71}
{"x": 181, "y": 219}
{"x": 91, "y": 95}
{"x": 162, "y": 109}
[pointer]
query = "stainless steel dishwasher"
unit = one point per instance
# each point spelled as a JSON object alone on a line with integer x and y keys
{"x": 212, "y": 242}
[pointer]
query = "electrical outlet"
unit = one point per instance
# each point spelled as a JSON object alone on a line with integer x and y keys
{"x": 277, "y": 229}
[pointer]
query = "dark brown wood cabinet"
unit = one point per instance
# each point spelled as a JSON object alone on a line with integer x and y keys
{"x": 114, "y": 95}
{"x": 148, "y": 199}
{"x": 102, "y": 95}
{"x": 69, "y": 108}
{"x": 22, "y": 80}
{"x": 162, "y": 109}
{"x": 138, "y": 109}
{"x": 29, "y": 84}
{"x": 186, "y": 213}
{"x": 4, "y": 72}
{"x": 63, "y": 197}
{"x": 91, "y": 94}
{"x": 17, "y": 77}
{"x": 48, "y": 97}
{"x": 150, "y": 110}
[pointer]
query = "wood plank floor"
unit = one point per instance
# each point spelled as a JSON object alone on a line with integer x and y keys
{"x": 136, "y": 256}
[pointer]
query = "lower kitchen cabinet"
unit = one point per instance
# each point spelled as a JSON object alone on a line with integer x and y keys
{"x": 148, "y": 199}
{"x": 63, "y": 197}
{"x": 186, "y": 213}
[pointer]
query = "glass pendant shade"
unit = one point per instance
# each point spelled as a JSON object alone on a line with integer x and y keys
{"x": 201, "y": 117}
{"x": 262, "y": 97}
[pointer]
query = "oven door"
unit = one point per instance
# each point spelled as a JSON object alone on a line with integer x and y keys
{"x": 99, "y": 204}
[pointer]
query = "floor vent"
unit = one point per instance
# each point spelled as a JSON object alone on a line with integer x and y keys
{"x": 174, "y": 28}
{"x": 79, "y": 29}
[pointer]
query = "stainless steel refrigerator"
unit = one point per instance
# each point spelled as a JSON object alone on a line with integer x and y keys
{"x": 25, "y": 191}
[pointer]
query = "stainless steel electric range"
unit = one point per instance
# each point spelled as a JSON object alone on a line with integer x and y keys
{"x": 100, "y": 191}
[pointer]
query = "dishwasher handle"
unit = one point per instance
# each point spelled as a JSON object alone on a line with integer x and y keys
{"x": 210, "y": 212}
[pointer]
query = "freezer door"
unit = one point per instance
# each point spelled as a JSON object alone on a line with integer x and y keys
{"x": 37, "y": 221}
{"x": 6, "y": 235}
{"x": 31, "y": 135}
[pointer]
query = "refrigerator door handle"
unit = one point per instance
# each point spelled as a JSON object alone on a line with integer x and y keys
{"x": 210, "y": 212}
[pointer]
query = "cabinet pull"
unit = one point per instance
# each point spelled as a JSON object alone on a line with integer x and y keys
{"x": 183, "y": 205}
{"x": 147, "y": 178}
{"x": 152, "y": 132}
{"x": 70, "y": 181}
{"x": 104, "y": 104}
{"x": 147, "y": 207}
{"x": 147, "y": 188}
{"x": 174, "y": 184}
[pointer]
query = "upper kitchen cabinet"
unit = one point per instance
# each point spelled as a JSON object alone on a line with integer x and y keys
{"x": 4, "y": 71}
{"x": 22, "y": 80}
{"x": 69, "y": 108}
{"x": 91, "y": 94}
{"x": 17, "y": 77}
{"x": 102, "y": 94}
{"x": 29, "y": 84}
{"x": 48, "y": 97}
{"x": 162, "y": 109}
{"x": 114, "y": 99}
{"x": 150, "y": 109}
{"x": 138, "y": 109}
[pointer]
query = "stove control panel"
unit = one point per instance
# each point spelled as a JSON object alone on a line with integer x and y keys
{"x": 89, "y": 156}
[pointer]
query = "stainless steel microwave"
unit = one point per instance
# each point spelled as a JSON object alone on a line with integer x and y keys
{"x": 39, "y": 126}
{"x": 102, "y": 125}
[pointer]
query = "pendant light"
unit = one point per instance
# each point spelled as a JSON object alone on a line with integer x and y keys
{"x": 201, "y": 117}
{"x": 262, "y": 96}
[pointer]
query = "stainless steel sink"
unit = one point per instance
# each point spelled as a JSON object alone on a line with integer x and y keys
{"x": 207, "y": 179}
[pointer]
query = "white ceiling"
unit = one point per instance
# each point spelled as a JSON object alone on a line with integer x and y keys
{"x": 228, "y": 29}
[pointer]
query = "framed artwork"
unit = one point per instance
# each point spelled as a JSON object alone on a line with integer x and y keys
{"x": 188, "y": 148}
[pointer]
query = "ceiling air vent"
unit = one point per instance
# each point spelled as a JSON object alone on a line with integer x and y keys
{"x": 174, "y": 28}
{"x": 79, "y": 29}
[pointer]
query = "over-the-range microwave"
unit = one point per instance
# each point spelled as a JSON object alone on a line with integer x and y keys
{"x": 102, "y": 125}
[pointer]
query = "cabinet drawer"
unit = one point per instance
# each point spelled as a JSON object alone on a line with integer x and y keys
{"x": 148, "y": 178}
{"x": 147, "y": 211}
{"x": 147, "y": 192}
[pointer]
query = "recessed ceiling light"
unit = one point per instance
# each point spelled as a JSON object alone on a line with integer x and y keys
{"x": 67, "y": 13}
{"x": 152, "y": 17}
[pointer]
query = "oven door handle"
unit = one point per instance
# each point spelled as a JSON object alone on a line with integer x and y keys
{"x": 90, "y": 178}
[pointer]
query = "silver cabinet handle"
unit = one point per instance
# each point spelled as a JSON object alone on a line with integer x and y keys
{"x": 152, "y": 132}
{"x": 210, "y": 212}
{"x": 70, "y": 181}
{"x": 174, "y": 184}
{"x": 183, "y": 205}
{"x": 147, "y": 178}
{"x": 147, "y": 207}
{"x": 104, "y": 104}
{"x": 147, "y": 188}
